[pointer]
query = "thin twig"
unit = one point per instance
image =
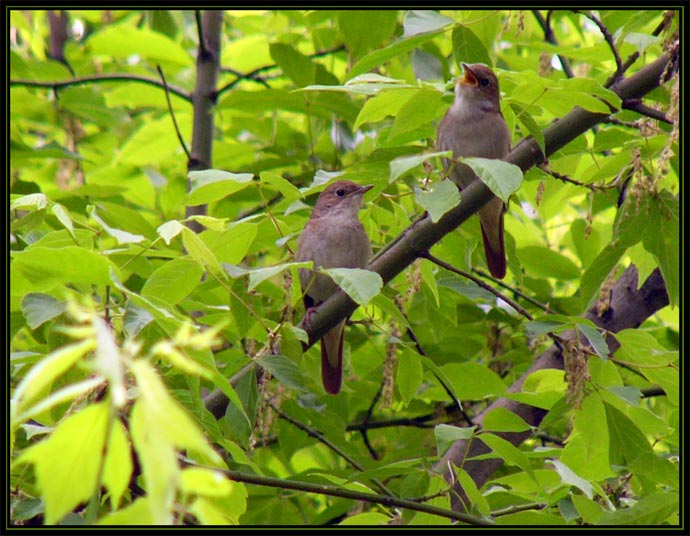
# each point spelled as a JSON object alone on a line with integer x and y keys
{"x": 518, "y": 508}
{"x": 98, "y": 78}
{"x": 590, "y": 186}
{"x": 479, "y": 282}
{"x": 636, "y": 106}
{"x": 311, "y": 432}
{"x": 367, "y": 418}
{"x": 550, "y": 37}
{"x": 542, "y": 306}
{"x": 620, "y": 69}
{"x": 321, "y": 489}
{"x": 252, "y": 75}
{"x": 633, "y": 57}
{"x": 172, "y": 114}
{"x": 446, "y": 388}
{"x": 258, "y": 79}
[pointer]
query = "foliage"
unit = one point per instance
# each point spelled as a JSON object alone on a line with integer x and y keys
{"x": 125, "y": 324}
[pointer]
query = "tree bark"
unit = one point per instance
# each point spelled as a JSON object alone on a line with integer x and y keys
{"x": 629, "y": 307}
{"x": 203, "y": 101}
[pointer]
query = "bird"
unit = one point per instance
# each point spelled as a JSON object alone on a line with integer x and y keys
{"x": 332, "y": 238}
{"x": 474, "y": 126}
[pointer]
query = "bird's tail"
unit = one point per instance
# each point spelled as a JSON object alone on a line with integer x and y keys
{"x": 332, "y": 359}
{"x": 492, "y": 232}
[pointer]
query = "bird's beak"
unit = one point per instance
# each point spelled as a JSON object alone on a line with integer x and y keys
{"x": 364, "y": 189}
{"x": 469, "y": 79}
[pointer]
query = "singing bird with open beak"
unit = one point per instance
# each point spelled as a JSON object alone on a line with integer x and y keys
{"x": 332, "y": 238}
{"x": 474, "y": 126}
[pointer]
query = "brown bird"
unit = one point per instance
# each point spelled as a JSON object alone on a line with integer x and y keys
{"x": 474, "y": 126}
{"x": 332, "y": 238}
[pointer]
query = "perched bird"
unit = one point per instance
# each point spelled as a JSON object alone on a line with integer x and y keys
{"x": 332, "y": 238}
{"x": 474, "y": 126}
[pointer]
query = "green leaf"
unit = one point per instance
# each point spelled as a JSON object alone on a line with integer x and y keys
{"x": 63, "y": 217}
{"x": 214, "y": 224}
{"x": 403, "y": 164}
{"x": 468, "y": 48}
{"x": 596, "y": 339}
{"x": 164, "y": 415}
{"x": 387, "y": 103}
{"x": 233, "y": 243}
{"x": 360, "y": 285}
{"x": 529, "y": 124}
{"x": 124, "y": 40}
{"x": 650, "y": 510}
{"x": 642, "y": 348}
{"x": 419, "y": 110}
{"x": 30, "y": 201}
{"x": 568, "y": 477}
{"x": 629, "y": 448}
{"x": 118, "y": 464}
{"x": 476, "y": 498}
{"x": 502, "y": 178}
{"x": 502, "y": 420}
{"x": 589, "y": 459}
{"x": 285, "y": 187}
{"x": 423, "y": 21}
{"x": 366, "y": 30}
{"x": 508, "y": 452}
{"x": 408, "y": 375}
{"x": 173, "y": 280}
{"x": 169, "y": 230}
{"x": 661, "y": 237}
{"x": 382, "y": 55}
{"x": 67, "y": 463}
{"x": 366, "y": 519}
{"x": 285, "y": 370}
{"x": 540, "y": 261}
{"x": 445, "y": 196}
{"x": 200, "y": 253}
{"x": 446, "y": 435}
{"x": 472, "y": 381}
{"x": 48, "y": 369}
{"x": 589, "y": 510}
{"x": 598, "y": 271}
{"x": 156, "y": 454}
{"x": 122, "y": 237}
{"x": 39, "y": 308}
{"x": 46, "y": 268}
{"x": 295, "y": 65}
{"x": 137, "y": 513}
{"x": 203, "y": 481}
{"x": 214, "y": 184}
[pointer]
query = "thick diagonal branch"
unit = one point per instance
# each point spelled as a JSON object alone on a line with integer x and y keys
{"x": 420, "y": 236}
{"x": 423, "y": 234}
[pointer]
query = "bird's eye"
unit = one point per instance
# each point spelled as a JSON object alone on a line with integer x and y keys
{"x": 484, "y": 82}
{"x": 340, "y": 192}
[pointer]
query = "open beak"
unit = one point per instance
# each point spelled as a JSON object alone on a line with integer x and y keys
{"x": 469, "y": 78}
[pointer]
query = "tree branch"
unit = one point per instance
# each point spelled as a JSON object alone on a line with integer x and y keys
{"x": 620, "y": 69}
{"x": 629, "y": 308}
{"x": 172, "y": 113}
{"x": 203, "y": 99}
{"x": 423, "y": 234}
{"x": 100, "y": 78}
{"x": 321, "y": 489}
{"x": 479, "y": 282}
{"x": 550, "y": 37}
